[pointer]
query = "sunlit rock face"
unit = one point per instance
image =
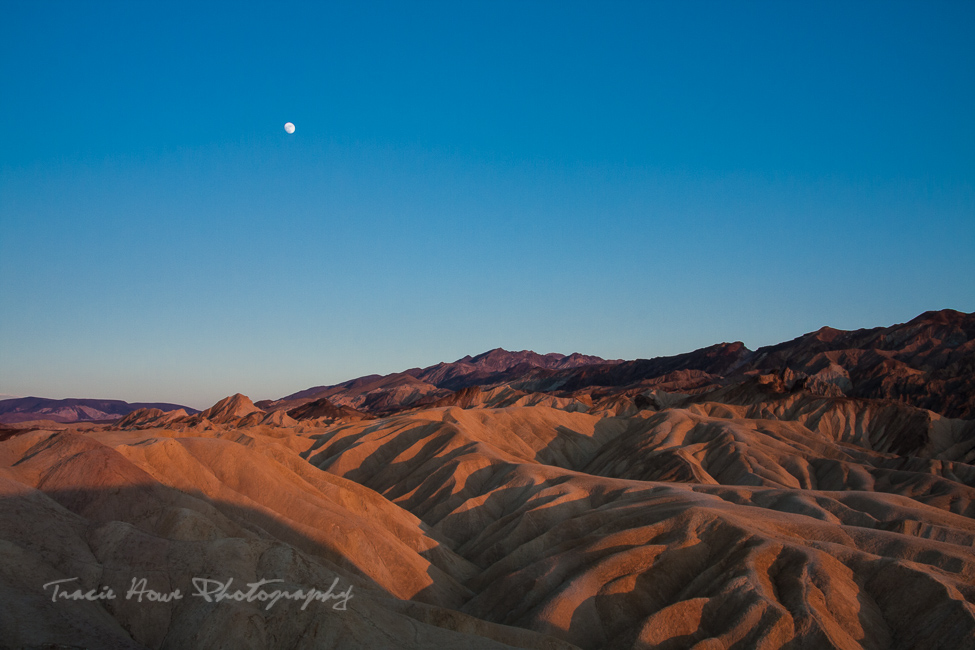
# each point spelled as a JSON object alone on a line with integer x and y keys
{"x": 794, "y": 496}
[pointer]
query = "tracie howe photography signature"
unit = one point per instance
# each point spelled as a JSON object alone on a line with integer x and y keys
{"x": 209, "y": 589}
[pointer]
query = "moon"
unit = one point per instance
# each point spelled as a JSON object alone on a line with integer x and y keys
{"x": 289, "y": 127}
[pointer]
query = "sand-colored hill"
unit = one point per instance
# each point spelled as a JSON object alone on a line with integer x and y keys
{"x": 701, "y": 501}
{"x": 230, "y": 410}
{"x": 652, "y": 519}
{"x": 112, "y": 506}
{"x": 680, "y": 527}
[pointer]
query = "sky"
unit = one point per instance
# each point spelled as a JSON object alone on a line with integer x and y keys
{"x": 623, "y": 179}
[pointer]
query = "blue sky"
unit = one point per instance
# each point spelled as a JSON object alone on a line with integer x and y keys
{"x": 620, "y": 179}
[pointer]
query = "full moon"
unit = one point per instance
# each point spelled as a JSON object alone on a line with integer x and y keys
{"x": 289, "y": 127}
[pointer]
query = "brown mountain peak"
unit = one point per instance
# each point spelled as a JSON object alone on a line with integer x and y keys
{"x": 230, "y": 408}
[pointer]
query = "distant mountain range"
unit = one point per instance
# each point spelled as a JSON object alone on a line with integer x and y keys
{"x": 928, "y": 363}
{"x": 25, "y": 409}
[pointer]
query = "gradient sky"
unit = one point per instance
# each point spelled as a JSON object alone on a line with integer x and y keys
{"x": 621, "y": 179}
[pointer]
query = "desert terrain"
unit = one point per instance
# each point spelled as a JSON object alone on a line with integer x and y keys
{"x": 818, "y": 493}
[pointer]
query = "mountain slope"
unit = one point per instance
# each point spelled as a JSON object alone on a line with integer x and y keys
{"x": 928, "y": 363}
{"x": 719, "y": 499}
